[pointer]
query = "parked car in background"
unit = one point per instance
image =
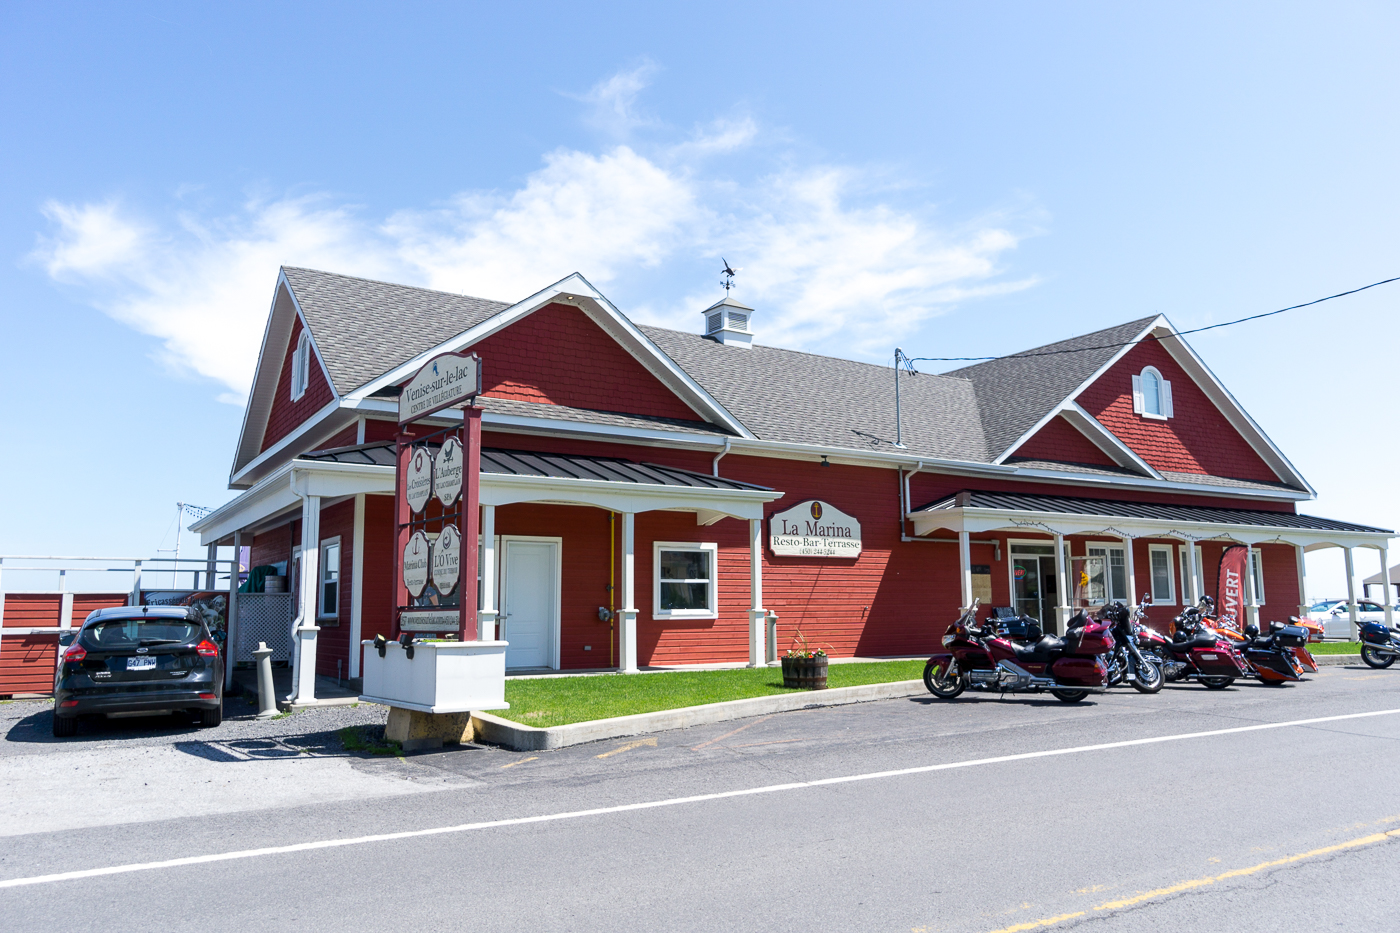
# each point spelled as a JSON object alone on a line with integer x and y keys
{"x": 139, "y": 659}
{"x": 1332, "y": 615}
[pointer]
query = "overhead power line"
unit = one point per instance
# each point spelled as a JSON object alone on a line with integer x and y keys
{"x": 908, "y": 361}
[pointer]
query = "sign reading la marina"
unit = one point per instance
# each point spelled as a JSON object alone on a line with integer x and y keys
{"x": 814, "y": 529}
{"x": 443, "y": 381}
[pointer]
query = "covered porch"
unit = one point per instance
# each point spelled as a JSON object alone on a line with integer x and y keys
{"x": 359, "y": 481}
{"x": 1169, "y": 538}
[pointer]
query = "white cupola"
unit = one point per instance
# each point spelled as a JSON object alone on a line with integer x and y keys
{"x": 728, "y": 322}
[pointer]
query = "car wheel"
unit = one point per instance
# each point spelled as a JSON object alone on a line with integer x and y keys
{"x": 212, "y": 717}
{"x": 65, "y": 726}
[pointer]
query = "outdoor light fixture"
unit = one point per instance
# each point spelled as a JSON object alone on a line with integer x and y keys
{"x": 824, "y": 461}
{"x": 406, "y": 640}
{"x": 380, "y": 643}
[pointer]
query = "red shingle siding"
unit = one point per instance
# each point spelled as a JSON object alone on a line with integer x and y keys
{"x": 1061, "y": 441}
{"x": 559, "y": 357}
{"x": 287, "y": 414}
{"x": 1197, "y": 439}
{"x": 333, "y": 641}
{"x": 85, "y": 603}
{"x": 27, "y": 663}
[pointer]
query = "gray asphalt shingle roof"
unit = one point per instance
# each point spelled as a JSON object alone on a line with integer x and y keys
{"x": 1072, "y": 505}
{"x": 1015, "y": 392}
{"x": 365, "y": 328}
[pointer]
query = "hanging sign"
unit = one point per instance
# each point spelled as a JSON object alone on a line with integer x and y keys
{"x": 415, "y": 564}
{"x": 444, "y": 381}
{"x": 447, "y": 472}
{"x": 814, "y": 529}
{"x": 418, "y": 485}
{"x": 447, "y": 560}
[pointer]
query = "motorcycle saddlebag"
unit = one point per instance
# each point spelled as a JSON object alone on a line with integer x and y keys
{"x": 1291, "y": 636}
{"x": 1375, "y": 633}
{"x": 1215, "y": 662}
{"x": 1079, "y": 672}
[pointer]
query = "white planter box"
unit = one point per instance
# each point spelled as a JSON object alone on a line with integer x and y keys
{"x": 443, "y": 677}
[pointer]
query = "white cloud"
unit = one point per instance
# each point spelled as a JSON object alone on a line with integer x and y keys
{"x": 828, "y": 264}
{"x": 612, "y": 102}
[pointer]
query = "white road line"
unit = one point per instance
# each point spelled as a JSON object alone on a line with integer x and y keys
{"x": 654, "y": 804}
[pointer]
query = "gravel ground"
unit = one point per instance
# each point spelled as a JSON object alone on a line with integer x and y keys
{"x": 26, "y": 726}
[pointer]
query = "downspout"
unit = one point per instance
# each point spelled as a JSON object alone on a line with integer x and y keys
{"x": 719, "y": 456}
{"x": 904, "y": 502}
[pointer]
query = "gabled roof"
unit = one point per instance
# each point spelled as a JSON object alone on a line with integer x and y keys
{"x": 1016, "y": 392}
{"x": 803, "y": 398}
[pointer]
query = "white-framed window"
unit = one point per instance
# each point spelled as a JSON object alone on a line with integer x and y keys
{"x": 1115, "y": 582}
{"x": 301, "y": 365}
{"x": 1256, "y": 566}
{"x": 1159, "y": 560}
{"x": 1152, "y": 395}
{"x": 1189, "y": 596}
{"x": 684, "y": 580}
{"x": 330, "y": 580}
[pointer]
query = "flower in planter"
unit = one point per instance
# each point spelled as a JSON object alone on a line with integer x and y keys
{"x": 806, "y": 651}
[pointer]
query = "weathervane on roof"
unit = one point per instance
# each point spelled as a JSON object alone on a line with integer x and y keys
{"x": 728, "y": 273}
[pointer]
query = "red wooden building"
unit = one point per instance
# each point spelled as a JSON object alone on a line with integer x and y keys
{"x": 637, "y": 470}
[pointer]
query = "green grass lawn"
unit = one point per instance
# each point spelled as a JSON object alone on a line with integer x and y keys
{"x": 1335, "y": 647}
{"x": 557, "y": 701}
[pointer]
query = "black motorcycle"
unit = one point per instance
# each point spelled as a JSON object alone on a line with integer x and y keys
{"x": 1126, "y": 663}
{"x": 1380, "y": 646}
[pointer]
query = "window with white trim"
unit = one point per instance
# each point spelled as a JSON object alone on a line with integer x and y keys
{"x": 330, "y": 580}
{"x": 1152, "y": 395}
{"x": 684, "y": 580}
{"x": 301, "y": 365}
{"x": 1256, "y": 566}
{"x": 1115, "y": 583}
{"x": 1189, "y": 596}
{"x": 1159, "y": 560}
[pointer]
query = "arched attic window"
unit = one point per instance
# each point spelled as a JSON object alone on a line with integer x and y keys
{"x": 301, "y": 365}
{"x": 1152, "y": 395}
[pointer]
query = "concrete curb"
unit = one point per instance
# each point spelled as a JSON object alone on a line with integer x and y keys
{"x": 523, "y": 738}
{"x": 1333, "y": 660}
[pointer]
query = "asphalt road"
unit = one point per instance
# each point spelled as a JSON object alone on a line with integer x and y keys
{"x": 1254, "y": 829}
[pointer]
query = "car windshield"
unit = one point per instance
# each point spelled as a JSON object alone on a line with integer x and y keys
{"x": 1325, "y": 605}
{"x": 127, "y": 633}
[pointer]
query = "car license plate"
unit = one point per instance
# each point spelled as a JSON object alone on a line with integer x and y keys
{"x": 141, "y": 664}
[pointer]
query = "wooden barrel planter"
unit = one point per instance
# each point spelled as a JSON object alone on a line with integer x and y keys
{"x": 805, "y": 673}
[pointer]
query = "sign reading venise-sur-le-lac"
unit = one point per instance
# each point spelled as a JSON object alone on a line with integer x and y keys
{"x": 443, "y": 381}
{"x": 814, "y": 529}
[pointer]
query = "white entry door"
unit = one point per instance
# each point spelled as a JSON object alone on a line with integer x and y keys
{"x": 530, "y": 601}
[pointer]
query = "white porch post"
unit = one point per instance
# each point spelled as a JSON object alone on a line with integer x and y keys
{"x": 965, "y": 568}
{"x": 1130, "y": 570}
{"x": 231, "y": 632}
{"x": 1194, "y": 570}
{"x": 1251, "y": 595}
{"x": 211, "y": 566}
{"x": 757, "y": 652}
{"x": 304, "y": 676}
{"x": 1062, "y": 610}
{"x": 486, "y": 615}
{"x": 627, "y": 627}
{"x": 1387, "y": 598}
{"x": 1351, "y": 596}
{"x": 1302, "y": 580}
{"x": 357, "y": 576}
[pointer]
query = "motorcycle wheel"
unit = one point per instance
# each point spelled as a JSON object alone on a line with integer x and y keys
{"x": 1217, "y": 683}
{"x": 1374, "y": 658}
{"x": 938, "y": 682}
{"x": 1149, "y": 678}
{"x": 1070, "y": 696}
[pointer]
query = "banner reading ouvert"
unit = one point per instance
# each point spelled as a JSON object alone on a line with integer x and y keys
{"x": 436, "y": 500}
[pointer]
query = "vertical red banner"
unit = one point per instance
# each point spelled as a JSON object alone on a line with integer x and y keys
{"x": 1229, "y": 597}
{"x": 471, "y": 519}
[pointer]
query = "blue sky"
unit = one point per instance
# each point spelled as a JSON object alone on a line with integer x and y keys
{"x": 955, "y": 179}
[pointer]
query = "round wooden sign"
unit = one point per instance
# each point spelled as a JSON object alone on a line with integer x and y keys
{"x": 418, "y": 484}
{"x": 415, "y": 564}
{"x": 447, "y": 472}
{"x": 447, "y": 560}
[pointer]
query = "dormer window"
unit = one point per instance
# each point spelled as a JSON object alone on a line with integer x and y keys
{"x": 1152, "y": 395}
{"x": 301, "y": 365}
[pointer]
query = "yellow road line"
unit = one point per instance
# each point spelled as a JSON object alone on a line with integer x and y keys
{"x": 1203, "y": 882}
{"x": 728, "y": 734}
{"x": 628, "y": 747}
{"x": 521, "y": 761}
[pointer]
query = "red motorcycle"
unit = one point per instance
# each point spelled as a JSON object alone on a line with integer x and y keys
{"x": 981, "y": 659}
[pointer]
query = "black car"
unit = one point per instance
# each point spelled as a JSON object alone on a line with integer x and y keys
{"x": 139, "y": 659}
